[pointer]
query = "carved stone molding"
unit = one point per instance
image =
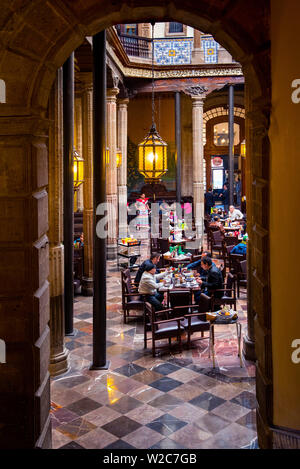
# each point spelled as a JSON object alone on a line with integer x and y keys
{"x": 197, "y": 91}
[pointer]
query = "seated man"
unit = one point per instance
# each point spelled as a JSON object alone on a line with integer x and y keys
{"x": 154, "y": 259}
{"x": 217, "y": 223}
{"x": 240, "y": 248}
{"x": 214, "y": 280}
{"x": 148, "y": 286}
{"x": 214, "y": 213}
{"x": 235, "y": 214}
{"x": 197, "y": 265}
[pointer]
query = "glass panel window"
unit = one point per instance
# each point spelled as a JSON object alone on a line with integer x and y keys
{"x": 221, "y": 134}
{"x": 175, "y": 27}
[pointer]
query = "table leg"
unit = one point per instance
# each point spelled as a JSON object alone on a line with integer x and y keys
{"x": 239, "y": 335}
{"x": 212, "y": 342}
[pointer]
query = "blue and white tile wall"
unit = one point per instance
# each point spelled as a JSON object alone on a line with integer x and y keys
{"x": 173, "y": 51}
{"x": 210, "y": 48}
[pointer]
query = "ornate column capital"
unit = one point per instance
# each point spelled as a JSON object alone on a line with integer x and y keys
{"x": 112, "y": 94}
{"x": 123, "y": 102}
{"x": 197, "y": 93}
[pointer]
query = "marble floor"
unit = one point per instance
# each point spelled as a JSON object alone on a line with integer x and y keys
{"x": 175, "y": 400}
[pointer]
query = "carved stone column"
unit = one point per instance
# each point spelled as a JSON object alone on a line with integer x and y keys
{"x": 58, "y": 352}
{"x": 111, "y": 175}
{"x": 24, "y": 286}
{"x": 87, "y": 144}
{"x": 249, "y": 339}
{"x": 78, "y": 146}
{"x": 122, "y": 171}
{"x": 198, "y": 94}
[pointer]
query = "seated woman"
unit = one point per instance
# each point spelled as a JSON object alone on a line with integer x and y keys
{"x": 148, "y": 286}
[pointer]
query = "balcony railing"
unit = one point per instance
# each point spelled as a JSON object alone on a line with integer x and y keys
{"x": 136, "y": 46}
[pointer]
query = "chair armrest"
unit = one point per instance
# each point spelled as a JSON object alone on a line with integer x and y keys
{"x": 191, "y": 315}
{"x": 223, "y": 290}
{"x": 132, "y": 294}
{"x": 170, "y": 320}
{"x": 185, "y": 307}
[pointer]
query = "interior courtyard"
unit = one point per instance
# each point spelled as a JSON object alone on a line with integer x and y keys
{"x": 118, "y": 122}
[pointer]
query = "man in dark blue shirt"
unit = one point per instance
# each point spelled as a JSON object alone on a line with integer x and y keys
{"x": 197, "y": 264}
{"x": 225, "y": 197}
{"x": 209, "y": 200}
{"x": 214, "y": 279}
{"x": 154, "y": 259}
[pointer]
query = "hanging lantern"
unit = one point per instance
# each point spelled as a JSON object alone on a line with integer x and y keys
{"x": 153, "y": 156}
{"x": 243, "y": 149}
{"x": 107, "y": 156}
{"x": 78, "y": 170}
{"x": 153, "y": 150}
{"x": 119, "y": 158}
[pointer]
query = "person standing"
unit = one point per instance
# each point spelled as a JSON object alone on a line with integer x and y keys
{"x": 238, "y": 189}
{"x": 209, "y": 200}
{"x": 142, "y": 222}
{"x": 225, "y": 197}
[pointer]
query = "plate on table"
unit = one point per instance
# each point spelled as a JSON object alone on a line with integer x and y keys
{"x": 226, "y": 316}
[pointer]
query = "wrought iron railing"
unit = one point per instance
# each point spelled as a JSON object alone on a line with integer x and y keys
{"x": 136, "y": 46}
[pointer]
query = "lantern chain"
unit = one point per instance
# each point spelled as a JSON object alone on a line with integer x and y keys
{"x": 153, "y": 102}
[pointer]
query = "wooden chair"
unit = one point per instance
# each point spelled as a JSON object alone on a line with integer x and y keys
{"x": 179, "y": 298}
{"x": 225, "y": 296}
{"x": 234, "y": 262}
{"x": 195, "y": 319}
{"x": 225, "y": 252}
{"x": 242, "y": 276}
{"x": 216, "y": 242}
{"x": 231, "y": 240}
{"x": 131, "y": 300}
{"x": 163, "y": 327}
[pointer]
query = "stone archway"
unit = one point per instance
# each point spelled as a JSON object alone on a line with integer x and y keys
{"x": 38, "y": 37}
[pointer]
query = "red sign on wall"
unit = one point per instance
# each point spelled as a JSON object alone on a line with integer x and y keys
{"x": 217, "y": 161}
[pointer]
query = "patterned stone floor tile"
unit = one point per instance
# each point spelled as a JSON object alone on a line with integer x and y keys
{"x": 143, "y": 437}
{"x": 76, "y": 428}
{"x": 230, "y": 411}
{"x": 96, "y": 439}
{"x": 190, "y": 436}
{"x": 207, "y": 401}
{"x": 125, "y": 391}
{"x": 121, "y": 426}
{"x": 144, "y": 414}
{"x": 166, "y": 424}
{"x": 186, "y": 392}
{"x": 102, "y": 415}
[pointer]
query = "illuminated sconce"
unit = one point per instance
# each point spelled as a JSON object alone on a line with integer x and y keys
{"x": 77, "y": 170}
{"x": 119, "y": 158}
{"x": 107, "y": 156}
{"x": 243, "y": 149}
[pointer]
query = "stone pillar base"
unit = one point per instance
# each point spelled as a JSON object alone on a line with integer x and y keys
{"x": 112, "y": 252}
{"x": 59, "y": 363}
{"x": 87, "y": 286}
{"x": 249, "y": 349}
